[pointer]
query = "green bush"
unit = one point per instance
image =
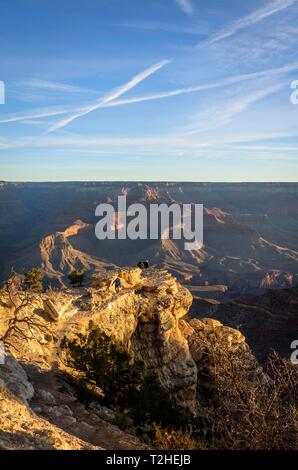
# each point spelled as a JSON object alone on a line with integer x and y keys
{"x": 106, "y": 363}
{"x": 156, "y": 405}
{"x": 76, "y": 277}
{"x": 33, "y": 280}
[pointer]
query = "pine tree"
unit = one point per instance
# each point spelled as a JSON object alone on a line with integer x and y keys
{"x": 33, "y": 280}
{"x": 76, "y": 277}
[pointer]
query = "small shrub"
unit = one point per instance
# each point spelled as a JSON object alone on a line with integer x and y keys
{"x": 156, "y": 405}
{"x": 33, "y": 280}
{"x": 122, "y": 419}
{"x": 170, "y": 439}
{"x": 251, "y": 410}
{"x": 76, "y": 277}
{"x": 48, "y": 338}
{"x": 106, "y": 363}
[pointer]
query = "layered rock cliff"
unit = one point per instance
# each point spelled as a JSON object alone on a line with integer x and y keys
{"x": 149, "y": 314}
{"x": 269, "y": 321}
{"x": 145, "y": 315}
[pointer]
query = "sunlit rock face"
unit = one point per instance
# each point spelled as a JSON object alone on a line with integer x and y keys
{"x": 211, "y": 344}
{"x": 14, "y": 379}
{"x": 147, "y": 313}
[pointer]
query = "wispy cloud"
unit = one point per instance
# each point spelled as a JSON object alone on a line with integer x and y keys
{"x": 246, "y": 21}
{"x": 270, "y": 73}
{"x": 37, "y": 84}
{"x": 114, "y": 102}
{"x": 156, "y": 145}
{"x": 37, "y": 114}
{"x": 225, "y": 113}
{"x": 195, "y": 29}
{"x": 111, "y": 96}
{"x": 4, "y": 145}
{"x": 186, "y": 6}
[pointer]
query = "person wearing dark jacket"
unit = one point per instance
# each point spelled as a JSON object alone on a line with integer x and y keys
{"x": 117, "y": 283}
{"x": 143, "y": 264}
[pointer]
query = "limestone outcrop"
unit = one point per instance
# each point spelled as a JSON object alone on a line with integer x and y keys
{"x": 149, "y": 314}
{"x": 145, "y": 315}
{"x": 209, "y": 341}
{"x": 14, "y": 379}
{"x": 129, "y": 277}
{"x": 22, "y": 429}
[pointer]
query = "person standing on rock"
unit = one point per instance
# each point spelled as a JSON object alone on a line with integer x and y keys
{"x": 118, "y": 285}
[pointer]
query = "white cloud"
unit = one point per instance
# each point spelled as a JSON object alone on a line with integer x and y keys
{"x": 224, "y": 114}
{"x": 111, "y": 96}
{"x": 174, "y": 145}
{"x": 36, "y": 114}
{"x": 246, "y": 21}
{"x": 37, "y": 84}
{"x": 56, "y": 111}
{"x": 195, "y": 29}
{"x": 4, "y": 145}
{"x": 269, "y": 73}
{"x": 186, "y": 6}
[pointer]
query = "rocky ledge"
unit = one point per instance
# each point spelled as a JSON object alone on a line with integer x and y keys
{"x": 149, "y": 314}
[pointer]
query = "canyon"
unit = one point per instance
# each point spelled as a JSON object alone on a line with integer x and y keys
{"x": 250, "y": 233}
{"x": 236, "y": 294}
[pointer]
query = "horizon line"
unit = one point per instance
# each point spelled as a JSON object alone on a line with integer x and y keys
{"x": 144, "y": 182}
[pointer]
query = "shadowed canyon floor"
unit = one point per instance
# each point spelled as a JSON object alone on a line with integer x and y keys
{"x": 250, "y": 240}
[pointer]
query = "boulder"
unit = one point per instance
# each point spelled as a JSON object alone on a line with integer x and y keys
{"x": 14, "y": 379}
{"x": 50, "y": 309}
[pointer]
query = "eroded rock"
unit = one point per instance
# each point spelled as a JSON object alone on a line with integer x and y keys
{"x": 14, "y": 379}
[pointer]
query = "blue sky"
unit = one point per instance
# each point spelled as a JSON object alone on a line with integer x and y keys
{"x": 188, "y": 90}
